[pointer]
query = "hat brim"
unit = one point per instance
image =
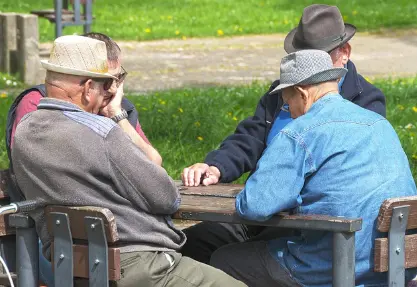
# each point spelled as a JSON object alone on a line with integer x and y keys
{"x": 323, "y": 76}
{"x": 64, "y": 70}
{"x": 350, "y": 30}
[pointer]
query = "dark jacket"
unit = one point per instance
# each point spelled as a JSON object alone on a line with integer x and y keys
{"x": 240, "y": 151}
{"x": 11, "y": 116}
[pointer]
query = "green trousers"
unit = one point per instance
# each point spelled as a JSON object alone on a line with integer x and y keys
{"x": 167, "y": 269}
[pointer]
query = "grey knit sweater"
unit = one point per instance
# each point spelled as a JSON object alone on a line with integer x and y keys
{"x": 70, "y": 157}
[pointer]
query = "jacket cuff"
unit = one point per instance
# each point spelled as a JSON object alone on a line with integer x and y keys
{"x": 223, "y": 177}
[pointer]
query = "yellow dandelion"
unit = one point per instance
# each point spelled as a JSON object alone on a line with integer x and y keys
{"x": 240, "y": 29}
{"x": 220, "y": 32}
{"x": 285, "y": 22}
{"x": 163, "y": 102}
{"x": 184, "y": 38}
{"x": 169, "y": 17}
{"x": 354, "y": 12}
{"x": 400, "y": 107}
{"x": 414, "y": 156}
{"x": 177, "y": 32}
{"x": 200, "y": 138}
{"x": 180, "y": 110}
{"x": 415, "y": 109}
{"x": 235, "y": 118}
{"x": 3, "y": 95}
{"x": 197, "y": 124}
{"x": 147, "y": 30}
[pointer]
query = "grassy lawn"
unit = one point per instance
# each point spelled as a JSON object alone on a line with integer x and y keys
{"x": 186, "y": 124}
{"x": 157, "y": 19}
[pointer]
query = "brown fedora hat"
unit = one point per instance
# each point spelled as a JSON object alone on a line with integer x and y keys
{"x": 321, "y": 27}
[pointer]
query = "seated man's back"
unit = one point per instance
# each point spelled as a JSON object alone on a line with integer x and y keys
{"x": 70, "y": 157}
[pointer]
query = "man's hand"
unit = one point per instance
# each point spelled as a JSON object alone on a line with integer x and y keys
{"x": 200, "y": 172}
{"x": 114, "y": 106}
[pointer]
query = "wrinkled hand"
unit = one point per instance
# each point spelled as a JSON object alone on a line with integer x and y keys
{"x": 200, "y": 173}
{"x": 114, "y": 107}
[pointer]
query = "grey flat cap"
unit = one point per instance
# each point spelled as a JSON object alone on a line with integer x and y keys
{"x": 307, "y": 67}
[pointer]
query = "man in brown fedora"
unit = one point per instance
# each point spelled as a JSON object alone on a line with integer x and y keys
{"x": 321, "y": 27}
{"x": 64, "y": 153}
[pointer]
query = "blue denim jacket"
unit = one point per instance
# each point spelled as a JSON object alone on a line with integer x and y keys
{"x": 340, "y": 160}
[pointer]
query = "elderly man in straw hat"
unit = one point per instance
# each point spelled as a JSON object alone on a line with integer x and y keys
{"x": 65, "y": 154}
{"x": 335, "y": 158}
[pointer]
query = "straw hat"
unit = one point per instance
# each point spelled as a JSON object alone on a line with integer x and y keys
{"x": 307, "y": 67}
{"x": 80, "y": 56}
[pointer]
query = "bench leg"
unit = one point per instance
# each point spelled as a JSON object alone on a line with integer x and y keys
{"x": 58, "y": 18}
{"x": 27, "y": 253}
{"x": 343, "y": 259}
{"x": 88, "y": 13}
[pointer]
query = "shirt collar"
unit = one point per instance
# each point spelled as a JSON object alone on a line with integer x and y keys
{"x": 342, "y": 81}
{"x": 55, "y": 104}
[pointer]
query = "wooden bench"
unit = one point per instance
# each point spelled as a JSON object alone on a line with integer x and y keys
{"x": 62, "y": 16}
{"x": 82, "y": 245}
{"x": 397, "y": 251}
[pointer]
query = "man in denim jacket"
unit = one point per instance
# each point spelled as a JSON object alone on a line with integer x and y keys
{"x": 321, "y": 27}
{"x": 335, "y": 158}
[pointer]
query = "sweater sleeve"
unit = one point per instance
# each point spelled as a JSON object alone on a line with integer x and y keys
{"x": 239, "y": 152}
{"x": 145, "y": 184}
{"x": 278, "y": 180}
{"x": 371, "y": 98}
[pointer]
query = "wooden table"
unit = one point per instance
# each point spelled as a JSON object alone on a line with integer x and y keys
{"x": 217, "y": 203}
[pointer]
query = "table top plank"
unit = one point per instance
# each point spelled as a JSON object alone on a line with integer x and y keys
{"x": 217, "y": 203}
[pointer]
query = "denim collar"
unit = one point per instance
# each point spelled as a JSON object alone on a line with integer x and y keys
{"x": 323, "y": 100}
{"x": 340, "y": 84}
{"x": 55, "y": 104}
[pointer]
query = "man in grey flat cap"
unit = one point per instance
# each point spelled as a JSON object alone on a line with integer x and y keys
{"x": 335, "y": 158}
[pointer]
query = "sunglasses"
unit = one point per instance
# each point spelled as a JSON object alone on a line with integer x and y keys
{"x": 107, "y": 82}
{"x": 121, "y": 76}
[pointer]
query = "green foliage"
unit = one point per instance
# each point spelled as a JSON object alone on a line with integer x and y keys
{"x": 9, "y": 82}
{"x": 184, "y": 125}
{"x": 157, "y": 19}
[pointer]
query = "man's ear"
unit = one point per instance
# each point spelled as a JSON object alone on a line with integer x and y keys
{"x": 346, "y": 50}
{"x": 303, "y": 92}
{"x": 86, "y": 97}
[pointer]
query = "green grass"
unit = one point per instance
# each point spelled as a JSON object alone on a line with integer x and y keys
{"x": 186, "y": 124}
{"x": 157, "y": 19}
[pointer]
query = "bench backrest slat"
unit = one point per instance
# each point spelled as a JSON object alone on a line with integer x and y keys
{"x": 385, "y": 212}
{"x": 80, "y": 261}
{"x": 381, "y": 253}
{"x": 76, "y": 218}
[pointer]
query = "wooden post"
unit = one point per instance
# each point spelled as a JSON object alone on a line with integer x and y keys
{"x": 28, "y": 47}
{"x": 7, "y": 41}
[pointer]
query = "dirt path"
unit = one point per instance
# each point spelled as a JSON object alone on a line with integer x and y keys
{"x": 167, "y": 64}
